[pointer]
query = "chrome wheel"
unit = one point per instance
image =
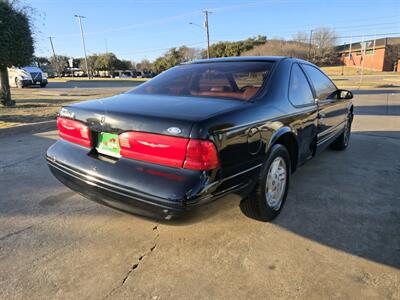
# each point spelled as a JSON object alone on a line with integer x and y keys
{"x": 276, "y": 183}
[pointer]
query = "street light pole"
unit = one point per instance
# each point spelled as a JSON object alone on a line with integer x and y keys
{"x": 206, "y": 13}
{"x": 83, "y": 44}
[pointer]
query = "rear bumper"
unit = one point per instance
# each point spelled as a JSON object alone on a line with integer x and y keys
{"x": 137, "y": 187}
{"x": 126, "y": 184}
{"x": 110, "y": 194}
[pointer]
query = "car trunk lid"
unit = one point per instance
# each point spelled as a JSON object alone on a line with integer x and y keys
{"x": 165, "y": 115}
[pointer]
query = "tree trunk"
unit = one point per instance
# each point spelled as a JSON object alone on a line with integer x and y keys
{"x": 5, "y": 93}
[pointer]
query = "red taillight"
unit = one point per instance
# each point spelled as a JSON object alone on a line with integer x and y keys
{"x": 155, "y": 148}
{"x": 201, "y": 155}
{"x": 169, "y": 151}
{"x": 74, "y": 131}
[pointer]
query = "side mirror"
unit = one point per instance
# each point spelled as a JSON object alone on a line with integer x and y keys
{"x": 345, "y": 94}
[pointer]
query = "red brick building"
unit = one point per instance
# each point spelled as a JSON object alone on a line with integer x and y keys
{"x": 380, "y": 54}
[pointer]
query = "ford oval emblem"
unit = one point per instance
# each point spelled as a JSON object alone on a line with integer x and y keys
{"x": 102, "y": 120}
{"x": 174, "y": 130}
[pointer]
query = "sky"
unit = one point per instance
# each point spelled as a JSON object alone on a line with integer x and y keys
{"x": 135, "y": 30}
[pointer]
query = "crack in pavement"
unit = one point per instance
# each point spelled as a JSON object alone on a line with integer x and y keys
{"x": 15, "y": 233}
{"x": 136, "y": 265}
{"x": 20, "y": 161}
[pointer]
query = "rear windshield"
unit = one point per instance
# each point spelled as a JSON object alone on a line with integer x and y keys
{"x": 233, "y": 80}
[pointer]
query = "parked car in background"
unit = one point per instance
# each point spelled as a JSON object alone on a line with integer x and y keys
{"x": 145, "y": 75}
{"x": 202, "y": 130}
{"x": 27, "y": 76}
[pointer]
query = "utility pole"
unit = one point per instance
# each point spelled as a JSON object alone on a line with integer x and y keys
{"x": 83, "y": 44}
{"x": 343, "y": 57}
{"x": 54, "y": 55}
{"x": 206, "y": 13}
{"x": 351, "y": 43}
{"x": 363, "y": 51}
{"x": 373, "y": 54}
{"x": 309, "y": 45}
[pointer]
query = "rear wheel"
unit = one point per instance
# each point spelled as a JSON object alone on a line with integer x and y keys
{"x": 43, "y": 85}
{"x": 342, "y": 141}
{"x": 267, "y": 199}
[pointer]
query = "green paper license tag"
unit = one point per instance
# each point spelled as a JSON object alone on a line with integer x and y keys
{"x": 108, "y": 144}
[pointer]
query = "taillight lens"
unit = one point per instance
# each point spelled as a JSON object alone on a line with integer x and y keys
{"x": 74, "y": 131}
{"x": 201, "y": 155}
{"x": 155, "y": 148}
{"x": 168, "y": 150}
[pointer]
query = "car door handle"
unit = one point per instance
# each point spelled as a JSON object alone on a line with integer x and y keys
{"x": 321, "y": 115}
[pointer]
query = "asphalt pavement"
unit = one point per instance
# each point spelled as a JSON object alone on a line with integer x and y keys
{"x": 338, "y": 236}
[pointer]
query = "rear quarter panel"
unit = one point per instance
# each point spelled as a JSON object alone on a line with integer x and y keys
{"x": 243, "y": 137}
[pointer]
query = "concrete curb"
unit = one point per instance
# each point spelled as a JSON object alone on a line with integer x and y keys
{"x": 28, "y": 128}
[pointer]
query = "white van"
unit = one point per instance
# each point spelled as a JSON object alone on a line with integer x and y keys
{"x": 26, "y": 76}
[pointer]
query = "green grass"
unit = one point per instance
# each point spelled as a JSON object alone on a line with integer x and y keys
{"x": 36, "y": 105}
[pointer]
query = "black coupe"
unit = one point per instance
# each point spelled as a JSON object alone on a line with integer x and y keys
{"x": 199, "y": 131}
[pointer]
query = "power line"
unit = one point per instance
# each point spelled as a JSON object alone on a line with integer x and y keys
{"x": 367, "y": 25}
{"x": 215, "y": 9}
{"x": 214, "y": 41}
{"x": 161, "y": 49}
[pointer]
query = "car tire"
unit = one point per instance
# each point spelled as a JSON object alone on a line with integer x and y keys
{"x": 266, "y": 201}
{"x": 43, "y": 85}
{"x": 18, "y": 83}
{"x": 342, "y": 141}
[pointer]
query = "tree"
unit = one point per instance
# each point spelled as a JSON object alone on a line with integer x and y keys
{"x": 16, "y": 46}
{"x": 91, "y": 60}
{"x": 124, "y": 64}
{"x": 170, "y": 59}
{"x": 106, "y": 62}
{"x": 279, "y": 47}
{"x": 41, "y": 62}
{"x": 301, "y": 37}
{"x": 59, "y": 63}
{"x": 323, "y": 42}
{"x": 189, "y": 54}
{"x": 144, "y": 66}
{"x": 226, "y": 49}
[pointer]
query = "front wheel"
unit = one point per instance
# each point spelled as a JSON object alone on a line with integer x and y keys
{"x": 342, "y": 141}
{"x": 18, "y": 83}
{"x": 266, "y": 201}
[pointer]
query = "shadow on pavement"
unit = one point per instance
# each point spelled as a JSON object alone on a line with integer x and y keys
{"x": 377, "y": 110}
{"x": 376, "y": 92}
{"x": 345, "y": 200}
{"x": 350, "y": 200}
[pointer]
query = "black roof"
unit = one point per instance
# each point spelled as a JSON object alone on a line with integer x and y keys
{"x": 240, "y": 58}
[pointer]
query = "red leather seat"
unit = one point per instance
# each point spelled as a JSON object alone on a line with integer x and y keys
{"x": 219, "y": 92}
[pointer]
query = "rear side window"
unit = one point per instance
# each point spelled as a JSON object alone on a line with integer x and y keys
{"x": 323, "y": 86}
{"x": 232, "y": 80}
{"x": 299, "y": 88}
